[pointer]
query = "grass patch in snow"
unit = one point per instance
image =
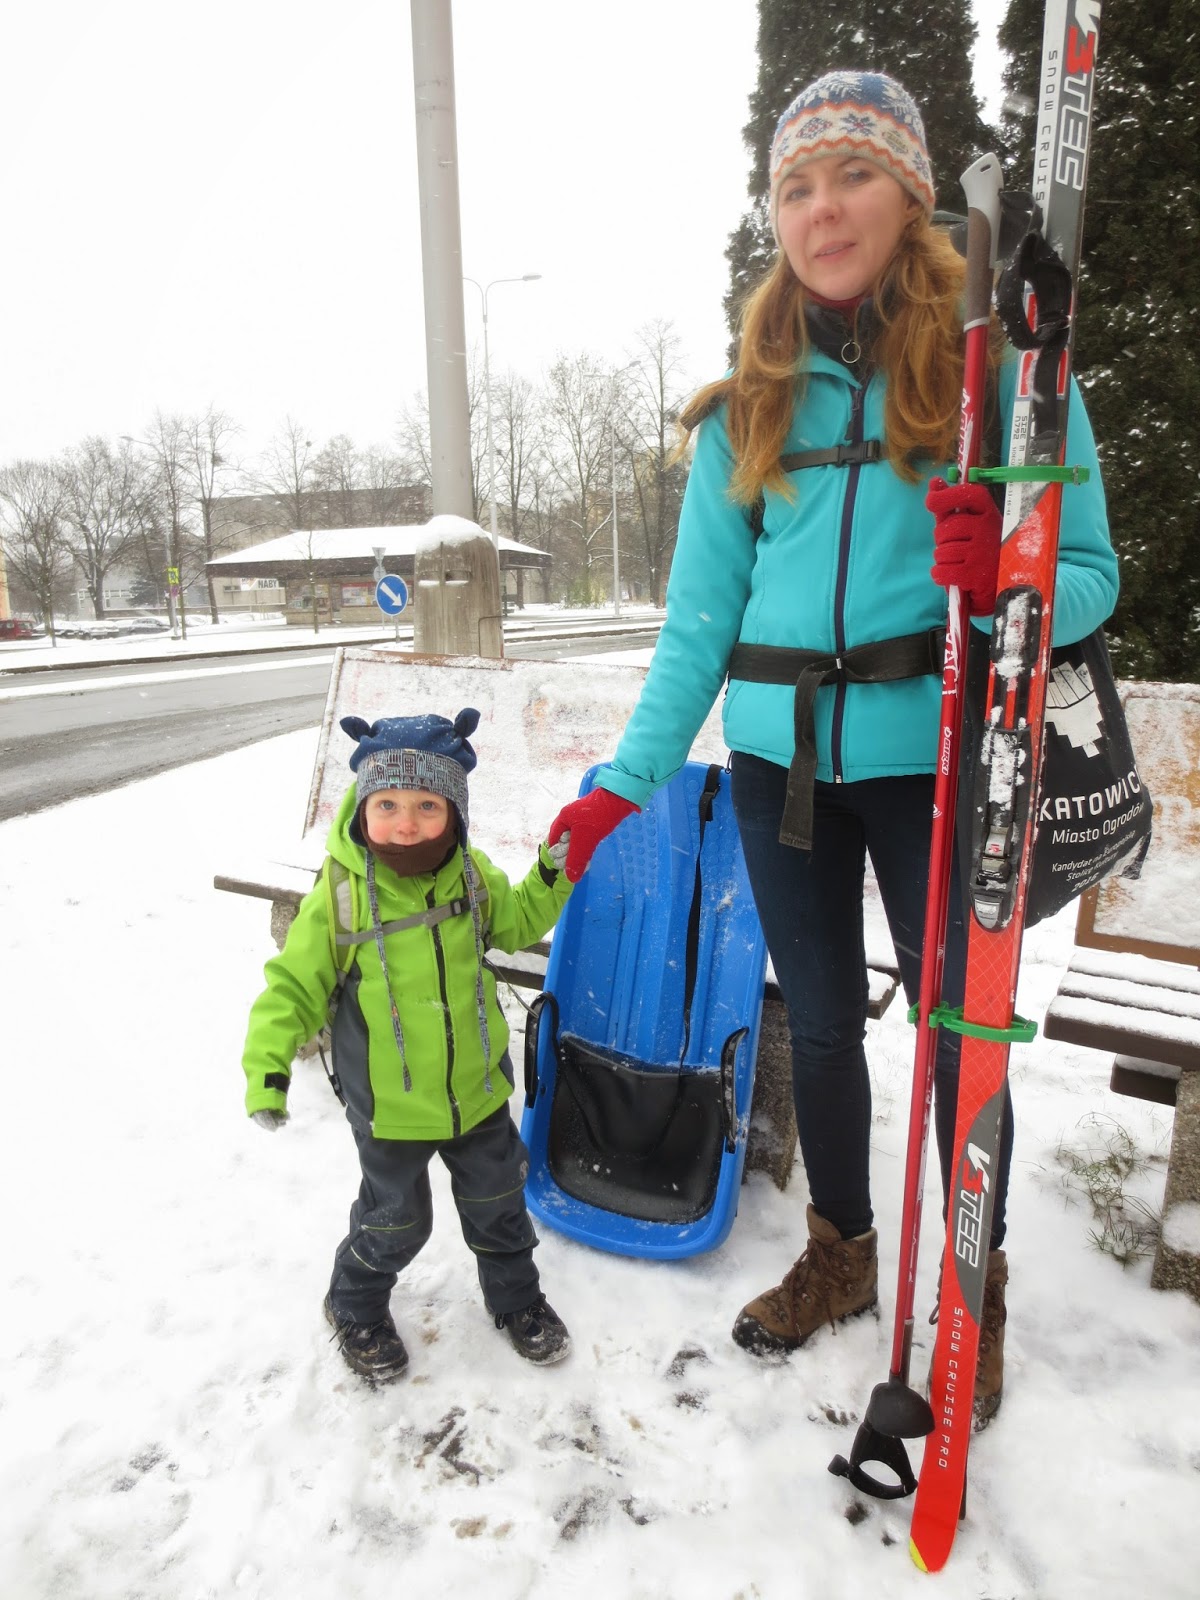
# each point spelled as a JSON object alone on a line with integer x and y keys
{"x": 1103, "y": 1165}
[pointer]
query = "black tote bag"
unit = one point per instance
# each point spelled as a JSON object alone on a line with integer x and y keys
{"x": 1094, "y": 813}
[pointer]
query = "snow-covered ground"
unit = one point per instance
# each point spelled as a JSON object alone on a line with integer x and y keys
{"x": 175, "y": 1423}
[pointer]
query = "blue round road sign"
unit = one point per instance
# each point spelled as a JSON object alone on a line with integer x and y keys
{"x": 391, "y": 595}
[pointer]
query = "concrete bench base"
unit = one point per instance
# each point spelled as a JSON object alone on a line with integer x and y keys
{"x": 1177, "y": 1259}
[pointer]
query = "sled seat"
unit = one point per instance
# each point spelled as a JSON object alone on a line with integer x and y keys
{"x": 640, "y": 1053}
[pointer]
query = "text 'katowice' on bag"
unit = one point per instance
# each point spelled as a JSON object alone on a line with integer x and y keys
{"x": 1094, "y": 813}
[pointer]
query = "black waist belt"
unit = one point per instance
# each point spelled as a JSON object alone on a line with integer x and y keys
{"x": 883, "y": 661}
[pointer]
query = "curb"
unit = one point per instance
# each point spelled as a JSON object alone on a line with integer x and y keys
{"x": 319, "y": 643}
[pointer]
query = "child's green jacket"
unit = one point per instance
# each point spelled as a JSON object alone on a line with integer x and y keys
{"x": 433, "y": 972}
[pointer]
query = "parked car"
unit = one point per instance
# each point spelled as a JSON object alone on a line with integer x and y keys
{"x": 17, "y": 628}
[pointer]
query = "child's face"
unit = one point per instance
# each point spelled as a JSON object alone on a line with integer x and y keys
{"x": 405, "y": 816}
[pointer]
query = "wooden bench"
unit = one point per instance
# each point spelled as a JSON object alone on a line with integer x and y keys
{"x": 1133, "y": 984}
{"x": 537, "y": 736}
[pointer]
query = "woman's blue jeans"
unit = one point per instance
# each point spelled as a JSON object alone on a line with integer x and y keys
{"x": 811, "y": 909}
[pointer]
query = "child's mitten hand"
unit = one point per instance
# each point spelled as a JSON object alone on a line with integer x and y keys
{"x": 559, "y": 852}
{"x": 585, "y": 823}
{"x": 966, "y": 541}
{"x": 272, "y": 1121}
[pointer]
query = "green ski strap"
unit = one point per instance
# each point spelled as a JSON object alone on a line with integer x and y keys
{"x": 1036, "y": 474}
{"x": 1019, "y": 1031}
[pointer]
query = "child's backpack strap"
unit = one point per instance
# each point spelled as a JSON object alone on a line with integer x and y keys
{"x": 344, "y": 916}
{"x": 347, "y": 921}
{"x": 349, "y": 925}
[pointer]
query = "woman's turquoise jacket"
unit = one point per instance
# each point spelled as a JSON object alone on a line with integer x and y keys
{"x": 845, "y": 562}
{"x": 433, "y": 973}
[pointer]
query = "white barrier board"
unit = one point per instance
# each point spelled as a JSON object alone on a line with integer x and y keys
{"x": 542, "y": 725}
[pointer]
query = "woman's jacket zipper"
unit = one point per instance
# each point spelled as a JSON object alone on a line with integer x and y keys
{"x": 854, "y": 435}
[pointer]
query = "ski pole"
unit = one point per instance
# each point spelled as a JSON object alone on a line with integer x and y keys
{"x": 896, "y": 1411}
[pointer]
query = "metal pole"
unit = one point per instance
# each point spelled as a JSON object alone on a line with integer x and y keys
{"x": 441, "y": 257}
{"x": 616, "y": 552}
{"x": 170, "y": 587}
{"x": 491, "y": 442}
{"x": 178, "y": 568}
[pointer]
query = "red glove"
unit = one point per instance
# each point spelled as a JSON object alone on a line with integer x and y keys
{"x": 966, "y": 541}
{"x": 588, "y": 821}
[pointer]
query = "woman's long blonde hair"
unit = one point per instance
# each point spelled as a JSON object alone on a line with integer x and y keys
{"x": 919, "y": 349}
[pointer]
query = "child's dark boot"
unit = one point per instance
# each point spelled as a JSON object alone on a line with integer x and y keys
{"x": 537, "y": 1332}
{"x": 372, "y": 1349}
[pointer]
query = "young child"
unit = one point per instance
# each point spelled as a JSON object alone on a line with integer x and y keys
{"x": 419, "y": 1040}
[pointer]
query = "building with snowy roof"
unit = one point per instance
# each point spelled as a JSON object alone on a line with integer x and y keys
{"x": 336, "y": 567}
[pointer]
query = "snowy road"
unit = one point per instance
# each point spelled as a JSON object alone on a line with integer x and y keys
{"x": 80, "y": 731}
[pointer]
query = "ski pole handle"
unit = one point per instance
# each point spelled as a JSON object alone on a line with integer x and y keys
{"x": 982, "y": 184}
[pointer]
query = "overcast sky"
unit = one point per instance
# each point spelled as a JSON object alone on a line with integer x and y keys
{"x": 218, "y": 204}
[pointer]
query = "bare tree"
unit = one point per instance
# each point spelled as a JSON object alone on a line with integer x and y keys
{"x": 336, "y": 472}
{"x": 516, "y": 420}
{"x": 208, "y": 464}
{"x": 169, "y": 444}
{"x": 33, "y": 503}
{"x": 543, "y": 507}
{"x": 649, "y": 441}
{"x": 412, "y": 432}
{"x": 516, "y": 428}
{"x": 412, "y": 435}
{"x": 289, "y": 474}
{"x": 581, "y": 409}
{"x": 102, "y": 490}
{"x": 383, "y": 474}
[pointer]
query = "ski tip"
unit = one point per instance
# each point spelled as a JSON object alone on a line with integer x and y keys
{"x": 918, "y": 1559}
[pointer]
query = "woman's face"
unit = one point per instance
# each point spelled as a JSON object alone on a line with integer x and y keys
{"x": 840, "y": 219}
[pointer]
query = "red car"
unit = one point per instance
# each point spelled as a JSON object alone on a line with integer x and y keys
{"x": 15, "y": 628}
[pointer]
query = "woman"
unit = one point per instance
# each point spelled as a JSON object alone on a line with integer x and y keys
{"x": 806, "y": 527}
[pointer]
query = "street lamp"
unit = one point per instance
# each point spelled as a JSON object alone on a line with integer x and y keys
{"x": 178, "y": 627}
{"x": 526, "y": 277}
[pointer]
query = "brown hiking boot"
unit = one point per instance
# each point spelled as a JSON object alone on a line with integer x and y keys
{"x": 989, "y": 1369}
{"x": 834, "y": 1279}
{"x": 989, "y": 1374}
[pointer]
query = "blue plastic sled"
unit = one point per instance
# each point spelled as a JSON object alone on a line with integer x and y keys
{"x": 635, "y": 1117}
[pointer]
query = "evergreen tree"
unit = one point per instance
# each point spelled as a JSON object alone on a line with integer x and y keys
{"x": 926, "y": 44}
{"x": 1138, "y": 292}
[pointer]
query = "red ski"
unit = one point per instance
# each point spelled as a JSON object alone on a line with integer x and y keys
{"x": 1004, "y": 817}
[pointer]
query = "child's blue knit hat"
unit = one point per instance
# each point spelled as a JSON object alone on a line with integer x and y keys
{"x": 415, "y": 753}
{"x": 863, "y": 114}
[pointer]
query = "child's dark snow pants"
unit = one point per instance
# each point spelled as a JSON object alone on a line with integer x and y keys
{"x": 393, "y": 1216}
